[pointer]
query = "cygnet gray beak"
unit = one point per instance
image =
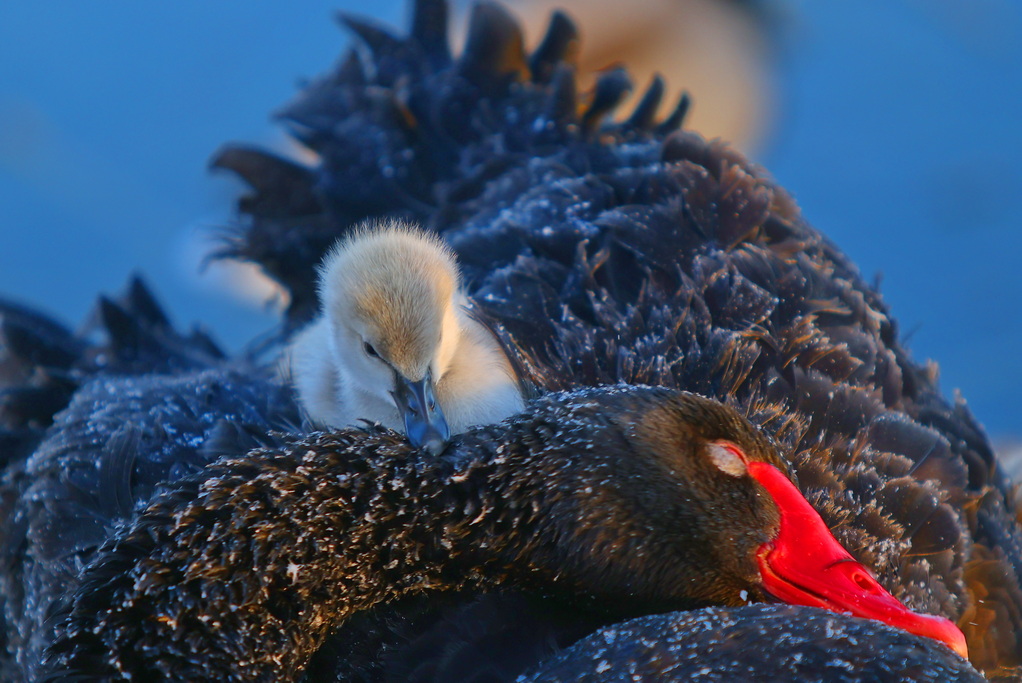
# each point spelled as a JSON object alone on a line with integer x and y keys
{"x": 425, "y": 424}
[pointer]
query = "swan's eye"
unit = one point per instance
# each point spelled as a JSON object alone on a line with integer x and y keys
{"x": 370, "y": 350}
{"x": 728, "y": 458}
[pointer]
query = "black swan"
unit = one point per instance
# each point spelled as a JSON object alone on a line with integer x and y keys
{"x": 628, "y": 251}
{"x": 637, "y": 499}
{"x": 611, "y": 251}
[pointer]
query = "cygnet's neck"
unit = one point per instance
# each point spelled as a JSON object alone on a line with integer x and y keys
{"x": 475, "y": 381}
{"x": 478, "y": 385}
{"x": 326, "y": 394}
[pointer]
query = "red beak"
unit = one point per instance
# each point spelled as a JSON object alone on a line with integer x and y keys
{"x": 805, "y": 565}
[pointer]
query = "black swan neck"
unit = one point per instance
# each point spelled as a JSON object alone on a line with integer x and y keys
{"x": 255, "y": 565}
{"x": 598, "y": 496}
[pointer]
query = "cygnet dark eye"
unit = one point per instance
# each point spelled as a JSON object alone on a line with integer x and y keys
{"x": 370, "y": 351}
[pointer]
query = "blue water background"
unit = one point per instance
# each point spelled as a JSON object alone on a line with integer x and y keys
{"x": 897, "y": 131}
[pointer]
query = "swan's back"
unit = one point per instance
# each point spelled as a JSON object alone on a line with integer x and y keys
{"x": 606, "y": 251}
{"x": 125, "y": 417}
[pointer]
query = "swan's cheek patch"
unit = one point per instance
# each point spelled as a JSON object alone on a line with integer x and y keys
{"x": 728, "y": 458}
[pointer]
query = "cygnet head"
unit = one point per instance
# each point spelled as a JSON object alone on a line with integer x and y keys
{"x": 388, "y": 296}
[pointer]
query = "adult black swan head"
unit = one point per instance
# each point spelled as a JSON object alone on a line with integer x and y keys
{"x": 638, "y": 499}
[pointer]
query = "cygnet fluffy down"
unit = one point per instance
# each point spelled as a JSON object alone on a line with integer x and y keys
{"x": 394, "y": 343}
